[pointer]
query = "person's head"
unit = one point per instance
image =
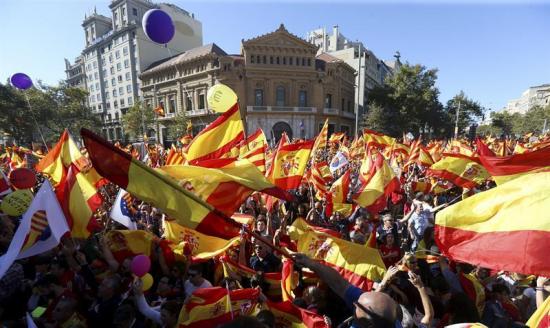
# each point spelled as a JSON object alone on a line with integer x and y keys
{"x": 462, "y": 309}
{"x": 375, "y": 309}
{"x": 124, "y": 317}
{"x": 178, "y": 269}
{"x": 243, "y": 322}
{"x": 109, "y": 287}
{"x": 336, "y": 216}
{"x": 301, "y": 210}
{"x": 390, "y": 240}
{"x": 261, "y": 223}
{"x": 500, "y": 292}
{"x": 195, "y": 274}
{"x": 357, "y": 237}
{"x": 387, "y": 219}
{"x": 169, "y": 312}
{"x": 229, "y": 283}
{"x": 164, "y": 286}
{"x": 360, "y": 222}
{"x": 64, "y": 309}
{"x": 260, "y": 249}
{"x": 419, "y": 207}
{"x": 313, "y": 295}
{"x": 318, "y": 206}
{"x": 410, "y": 262}
{"x": 267, "y": 318}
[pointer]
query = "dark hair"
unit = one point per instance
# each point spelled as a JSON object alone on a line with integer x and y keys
{"x": 462, "y": 309}
{"x": 243, "y": 322}
{"x": 501, "y": 288}
{"x": 124, "y": 313}
{"x": 172, "y": 307}
{"x": 267, "y": 318}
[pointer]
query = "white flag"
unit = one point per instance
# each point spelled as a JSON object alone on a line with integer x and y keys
{"x": 121, "y": 212}
{"x": 40, "y": 229}
{"x": 338, "y": 161}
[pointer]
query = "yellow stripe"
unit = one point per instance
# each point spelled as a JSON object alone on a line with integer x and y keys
{"x": 540, "y": 314}
{"x": 518, "y": 205}
{"x": 82, "y": 190}
{"x": 463, "y": 167}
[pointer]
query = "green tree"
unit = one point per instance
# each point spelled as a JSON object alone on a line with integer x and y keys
{"x": 504, "y": 121}
{"x": 470, "y": 112}
{"x": 177, "y": 126}
{"x": 379, "y": 119}
{"x": 136, "y": 119}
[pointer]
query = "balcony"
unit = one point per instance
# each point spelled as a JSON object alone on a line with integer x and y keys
{"x": 349, "y": 115}
{"x": 196, "y": 112}
{"x": 280, "y": 109}
{"x": 331, "y": 111}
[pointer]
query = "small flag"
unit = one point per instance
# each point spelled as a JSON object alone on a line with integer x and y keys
{"x": 123, "y": 211}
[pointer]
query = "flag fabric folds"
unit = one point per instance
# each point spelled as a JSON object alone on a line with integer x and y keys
{"x": 541, "y": 317}
{"x": 509, "y": 223}
{"x": 210, "y": 307}
{"x": 254, "y": 150}
{"x": 289, "y": 164}
{"x": 289, "y": 315}
{"x": 219, "y": 138}
{"x": 506, "y": 168}
{"x": 462, "y": 170}
{"x": 174, "y": 157}
{"x": 320, "y": 177}
{"x": 360, "y": 265}
{"x": 39, "y": 230}
{"x": 377, "y": 139}
{"x": 4, "y": 184}
{"x": 129, "y": 243}
{"x": 122, "y": 210}
{"x": 483, "y": 149}
{"x": 187, "y": 241}
{"x": 321, "y": 140}
{"x": 155, "y": 188}
{"x": 288, "y": 281}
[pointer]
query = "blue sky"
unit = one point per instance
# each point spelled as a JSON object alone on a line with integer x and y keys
{"x": 493, "y": 51}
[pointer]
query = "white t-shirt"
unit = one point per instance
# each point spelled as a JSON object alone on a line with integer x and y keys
{"x": 190, "y": 288}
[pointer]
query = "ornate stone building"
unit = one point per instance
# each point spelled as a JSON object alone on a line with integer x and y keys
{"x": 281, "y": 83}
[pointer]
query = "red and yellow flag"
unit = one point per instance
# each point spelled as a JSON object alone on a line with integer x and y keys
{"x": 377, "y": 182}
{"x": 157, "y": 189}
{"x": 336, "y": 137}
{"x": 185, "y": 241}
{"x": 273, "y": 279}
{"x": 288, "y": 281}
{"x": 421, "y": 186}
{"x": 419, "y": 155}
{"x": 338, "y": 195}
{"x": 321, "y": 140}
{"x": 159, "y": 110}
{"x": 289, "y": 165}
{"x": 506, "y": 222}
{"x": 358, "y": 264}
{"x": 320, "y": 177}
{"x": 506, "y": 168}
{"x": 482, "y": 149}
{"x": 474, "y": 290}
{"x": 210, "y": 307}
{"x": 218, "y": 139}
{"x": 174, "y": 157}
{"x": 377, "y": 139}
{"x": 289, "y": 315}
{"x": 541, "y": 317}
{"x": 129, "y": 243}
{"x": 255, "y": 148}
{"x": 300, "y": 227}
{"x": 462, "y": 170}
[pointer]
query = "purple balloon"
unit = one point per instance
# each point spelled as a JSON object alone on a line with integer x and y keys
{"x": 158, "y": 26}
{"x": 140, "y": 265}
{"x": 21, "y": 81}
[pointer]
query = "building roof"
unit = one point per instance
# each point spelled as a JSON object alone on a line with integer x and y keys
{"x": 185, "y": 56}
{"x": 280, "y": 30}
{"x": 328, "y": 58}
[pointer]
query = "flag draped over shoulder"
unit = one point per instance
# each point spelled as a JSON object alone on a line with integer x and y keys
{"x": 209, "y": 307}
{"x": 40, "y": 229}
{"x": 462, "y": 170}
{"x": 510, "y": 223}
{"x": 219, "y": 138}
{"x": 506, "y": 168}
{"x": 289, "y": 164}
{"x": 155, "y": 188}
{"x": 187, "y": 241}
{"x": 358, "y": 264}
{"x": 377, "y": 182}
{"x": 291, "y": 316}
{"x": 541, "y": 317}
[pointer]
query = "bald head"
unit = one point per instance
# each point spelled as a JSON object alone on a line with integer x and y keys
{"x": 379, "y": 304}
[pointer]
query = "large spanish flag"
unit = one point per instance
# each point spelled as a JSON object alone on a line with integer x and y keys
{"x": 358, "y": 264}
{"x": 225, "y": 184}
{"x": 482, "y": 149}
{"x": 291, "y": 316}
{"x": 541, "y": 317}
{"x": 377, "y": 182}
{"x": 57, "y": 161}
{"x": 210, "y": 307}
{"x": 218, "y": 139}
{"x": 289, "y": 165}
{"x": 464, "y": 171}
{"x": 506, "y": 168}
{"x": 185, "y": 241}
{"x": 510, "y": 224}
{"x": 157, "y": 189}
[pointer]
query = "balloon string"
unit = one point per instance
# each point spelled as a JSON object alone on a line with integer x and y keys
{"x": 36, "y": 123}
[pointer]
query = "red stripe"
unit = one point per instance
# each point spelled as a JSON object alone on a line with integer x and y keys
{"x": 53, "y": 154}
{"x": 469, "y": 158}
{"x": 220, "y": 151}
{"x": 355, "y": 279}
{"x": 255, "y": 152}
{"x": 288, "y": 183}
{"x": 450, "y": 176}
{"x": 518, "y": 163}
{"x": 298, "y": 146}
{"x": 524, "y": 251}
{"x": 216, "y": 163}
{"x": 215, "y": 225}
{"x": 254, "y": 136}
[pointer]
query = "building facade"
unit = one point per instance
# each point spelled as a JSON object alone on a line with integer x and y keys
{"x": 76, "y": 78}
{"x": 281, "y": 82}
{"x": 534, "y": 96}
{"x": 117, "y": 51}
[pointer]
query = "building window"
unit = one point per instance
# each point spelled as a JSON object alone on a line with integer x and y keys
{"x": 258, "y": 59}
{"x": 117, "y": 116}
{"x": 118, "y": 133}
{"x": 96, "y": 76}
{"x": 302, "y": 98}
{"x": 303, "y": 61}
{"x": 92, "y": 88}
{"x": 280, "y": 96}
{"x": 130, "y": 101}
{"x": 117, "y": 53}
{"x": 297, "y": 61}
{"x": 278, "y": 60}
{"x": 271, "y": 60}
{"x": 110, "y": 58}
{"x": 201, "y": 101}
{"x": 259, "y": 97}
{"x": 113, "y": 82}
{"x": 264, "y": 60}
{"x": 328, "y": 101}
{"x": 97, "y": 86}
{"x": 188, "y": 103}
{"x": 123, "y": 11}
{"x": 284, "y": 60}
{"x": 252, "y": 59}
{"x": 120, "y": 78}
{"x": 95, "y": 64}
{"x": 121, "y": 102}
{"x": 128, "y": 89}
{"x": 342, "y": 107}
{"x": 112, "y": 70}
{"x": 126, "y": 63}
{"x": 111, "y": 134}
{"x": 127, "y": 76}
{"x": 118, "y": 67}
{"x": 309, "y": 62}
{"x": 107, "y": 95}
{"x": 171, "y": 104}
{"x": 115, "y": 103}
{"x": 349, "y": 106}
{"x": 114, "y": 93}
{"x": 121, "y": 91}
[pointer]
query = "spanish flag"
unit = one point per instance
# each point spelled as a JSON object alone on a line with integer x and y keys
{"x": 377, "y": 139}
{"x": 159, "y": 110}
{"x": 288, "y": 280}
{"x": 299, "y": 227}
{"x": 225, "y": 184}
{"x": 174, "y": 157}
{"x": 509, "y": 223}
{"x": 320, "y": 177}
{"x": 156, "y": 189}
{"x": 129, "y": 243}
{"x": 357, "y": 148}
{"x": 254, "y": 151}
{"x": 459, "y": 147}
{"x": 541, "y": 317}
{"x": 482, "y": 149}
{"x": 289, "y": 164}
{"x": 272, "y": 279}
{"x": 419, "y": 155}
{"x": 338, "y": 195}
{"x": 321, "y": 140}
{"x": 506, "y": 168}
{"x": 336, "y": 137}
{"x": 210, "y": 307}
{"x": 421, "y": 186}
{"x": 474, "y": 290}
{"x": 462, "y": 170}
{"x": 219, "y": 138}
{"x": 57, "y": 161}
{"x": 290, "y": 316}
{"x": 358, "y": 264}
{"x": 377, "y": 182}
{"x": 185, "y": 241}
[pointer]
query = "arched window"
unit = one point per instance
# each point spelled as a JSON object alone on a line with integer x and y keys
{"x": 280, "y": 96}
{"x": 278, "y": 129}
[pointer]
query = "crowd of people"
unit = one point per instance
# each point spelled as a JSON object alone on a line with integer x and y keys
{"x": 81, "y": 283}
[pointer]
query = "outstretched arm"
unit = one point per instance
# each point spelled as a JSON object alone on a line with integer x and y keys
{"x": 330, "y": 276}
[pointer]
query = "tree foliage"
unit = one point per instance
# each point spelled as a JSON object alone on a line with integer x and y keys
{"x": 470, "y": 111}
{"x": 504, "y": 123}
{"x": 177, "y": 126}
{"x": 138, "y": 120}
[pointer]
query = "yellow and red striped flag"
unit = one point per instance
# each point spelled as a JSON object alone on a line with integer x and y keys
{"x": 377, "y": 139}
{"x": 473, "y": 289}
{"x": 421, "y": 186}
{"x": 158, "y": 189}
{"x": 272, "y": 279}
{"x": 419, "y": 155}
{"x": 482, "y": 149}
{"x": 201, "y": 247}
{"x": 291, "y": 316}
{"x": 338, "y": 195}
{"x": 377, "y": 182}
{"x": 358, "y": 264}
{"x": 504, "y": 169}
{"x": 336, "y": 137}
{"x": 321, "y": 140}
{"x": 507, "y": 223}
{"x": 219, "y": 139}
{"x": 210, "y": 307}
{"x": 320, "y": 177}
{"x": 174, "y": 157}
{"x": 459, "y": 147}
{"x": 289, "y": 165}
{"x": 288, "y": 280}
{"x": 254, "y": 150}
{"x": 462, "y": 170}
{"x": 541, "y": 317}
{"x": 129, "y": 243}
